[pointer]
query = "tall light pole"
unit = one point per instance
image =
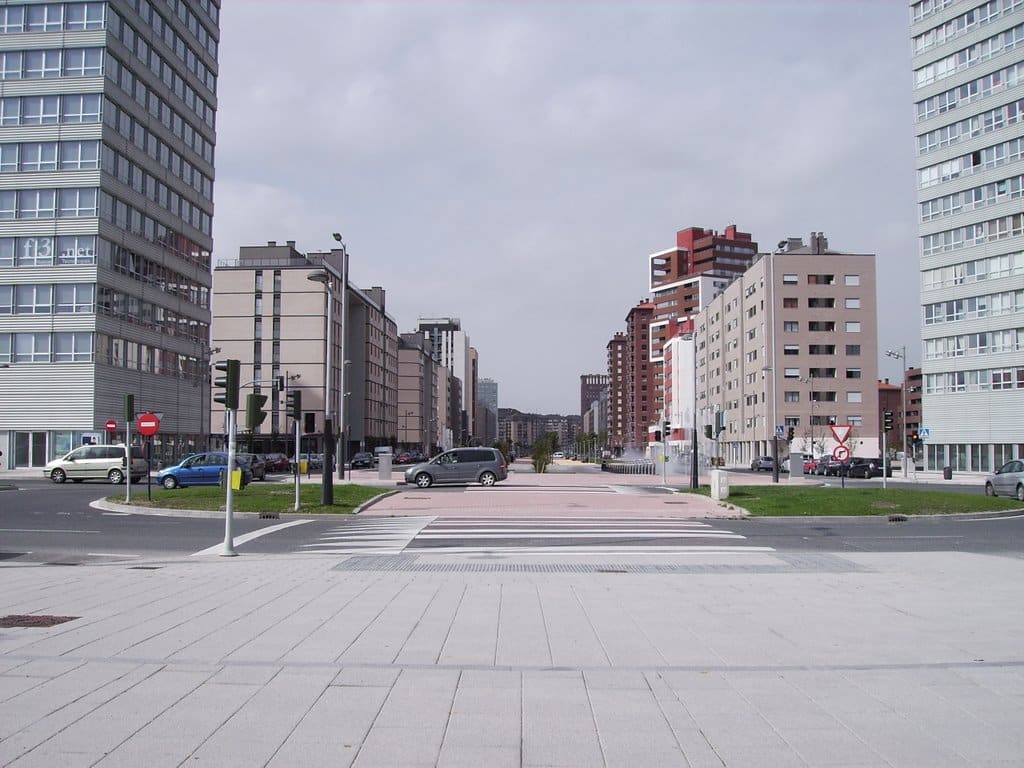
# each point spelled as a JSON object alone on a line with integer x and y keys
{"x": 327, "y": 493}
{"x": 344, "y": 333}
{"x": 902, "y": 356}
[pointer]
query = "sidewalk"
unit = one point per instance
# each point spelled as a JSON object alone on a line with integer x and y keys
{"x": 763, "y": 659}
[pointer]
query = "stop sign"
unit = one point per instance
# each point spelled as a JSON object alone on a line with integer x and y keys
{"x": 111, "y": 426}
{"x": 148, "y": 424}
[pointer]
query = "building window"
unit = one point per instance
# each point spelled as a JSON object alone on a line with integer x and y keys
{"x": 827, "y": 326}
{"x": 852, "y": 303}
{"x": 45, "y": 18}
{"x": 791, "y": 326}
{"x": 83, "y": 62}
{"x": 39, "y": 156}
{"x": 820, "y": 303}
{"x": 31, "y": 348}
{"x": 851, "y": 280}
{"x": 791, "y": 349}
{"x": 36, "y": 204}
{"x": 790, "y": 303}
{"x": 854, "y": 397}
{"x": 852, "y": 326}
{"x": 853, "y": 350}
{"x": 79, "y": 155}
{"x": 853, "y": 373}
{"x": 40, "y": 64}
{"x": 791, "y": 397}
{"x": 789, "y": 279}
{"x": 77, "y": 202}
{"x": 855, "y": 421}
{"x": 71, "y": 347}
{"x": 74, "y": 298}
{"x": 792, "y": 373}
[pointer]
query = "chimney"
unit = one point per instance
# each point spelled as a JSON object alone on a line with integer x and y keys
{"x": 271, "y": 243}
{"x": 290, "y": 243}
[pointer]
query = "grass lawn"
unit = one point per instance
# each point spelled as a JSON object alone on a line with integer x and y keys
{"x": 768, "y": 501}
{"x": 256, "y": 497}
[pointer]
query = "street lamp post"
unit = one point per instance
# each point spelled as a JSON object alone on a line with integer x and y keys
{"x": 901, "y": 355}
{"x": 327, "y": 492}
{"x": 344, "y": 333}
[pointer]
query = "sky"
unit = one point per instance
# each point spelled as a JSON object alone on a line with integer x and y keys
{"x": 513, "y": 163}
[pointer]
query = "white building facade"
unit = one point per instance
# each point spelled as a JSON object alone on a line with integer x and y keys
{"x": 968, "y": 62}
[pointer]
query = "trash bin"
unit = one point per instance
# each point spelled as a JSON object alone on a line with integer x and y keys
{"x": 947, "y": 473}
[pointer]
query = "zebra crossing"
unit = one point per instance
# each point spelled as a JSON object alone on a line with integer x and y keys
{"x": 552, "y": 536}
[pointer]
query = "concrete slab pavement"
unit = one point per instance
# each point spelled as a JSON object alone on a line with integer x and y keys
{"x": 825, "y": 659}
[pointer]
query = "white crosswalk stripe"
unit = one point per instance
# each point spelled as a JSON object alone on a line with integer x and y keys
{"x": 369, "y": 535}
{"x": 555, "y": 536}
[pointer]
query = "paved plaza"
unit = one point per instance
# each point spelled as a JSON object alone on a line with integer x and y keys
{"x": 694, "y": 659}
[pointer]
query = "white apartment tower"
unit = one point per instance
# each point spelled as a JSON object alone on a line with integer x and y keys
{"x": 107, "y": 134}
{"x": 968, "y": 62}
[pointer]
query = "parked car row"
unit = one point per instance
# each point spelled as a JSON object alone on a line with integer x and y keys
{"x": 856, "y": 466}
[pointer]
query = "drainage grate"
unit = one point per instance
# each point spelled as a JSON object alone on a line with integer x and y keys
{"x": 33, "y": 621}
{"x": 144, "y": 567}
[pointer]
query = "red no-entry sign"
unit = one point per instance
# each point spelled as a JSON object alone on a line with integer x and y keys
{"x": 111, "y": 426}
{"x": 148, "y": 424}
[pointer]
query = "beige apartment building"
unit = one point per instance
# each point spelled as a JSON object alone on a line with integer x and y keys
{"x": 272, "y": 317}
{"x": 790, "y": 345}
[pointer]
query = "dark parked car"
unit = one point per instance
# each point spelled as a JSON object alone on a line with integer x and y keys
{"x": 277, "y": 462}
{"x": 362, "y": 460}
{"x": 861, "y": 467}
{"x": 836, "y": 468}
{"x": 256, "y": 464}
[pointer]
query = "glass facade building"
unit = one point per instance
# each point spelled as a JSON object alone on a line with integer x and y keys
{"x": 968, "y": 70}
{"x": 107, "y": 135}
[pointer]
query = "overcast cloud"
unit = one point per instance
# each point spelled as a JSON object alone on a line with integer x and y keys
{"x": 514, "y": 163}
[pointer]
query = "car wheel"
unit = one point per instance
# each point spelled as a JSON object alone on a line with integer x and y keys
{"x": 989, "y": 490}
{"x": 1020, "y": 492}
{"x": 58, "y": 476}
{"x": 423, "y": 480}
{"x": 115, "y": 476}
{"x": 170, "y": 482}
{"x": 488, "y": 478}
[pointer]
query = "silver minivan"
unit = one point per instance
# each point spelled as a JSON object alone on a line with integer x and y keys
{"x": 460, "y": 465}
{"x": 97, "y": 462}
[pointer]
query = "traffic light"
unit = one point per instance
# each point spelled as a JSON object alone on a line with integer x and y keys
{"x": 254, "y": 413}
{"x": 309, "y": 423}
{"x": 129, "y": 408}
{"x": 789, "y": 434}
{"x": 229, "y": 382}
{"x": 709, "y": 431}
{"x": 666, "y": 430}
{"x": 914, "y": 437}
{"x": 293, "y": 402}
{"x": 887, "y": 421}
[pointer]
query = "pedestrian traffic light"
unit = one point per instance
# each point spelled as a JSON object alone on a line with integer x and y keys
{"x": 309, "y": 423}
{"x": 789, "y": 434}
{"x": 887, "y": 421}
{"x": 254, "y": 413}
{"x": 709, "y": 431}
{"x": 229, "y": 383}
{"x": 293, "y": 402}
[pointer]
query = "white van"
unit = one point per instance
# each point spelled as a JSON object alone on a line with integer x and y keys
{"x": 97, "y": 462}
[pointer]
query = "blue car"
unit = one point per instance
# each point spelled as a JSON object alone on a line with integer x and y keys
{"x": 200, "y": 469}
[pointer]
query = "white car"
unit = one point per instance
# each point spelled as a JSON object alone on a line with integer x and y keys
{"x": 558, "y": 455}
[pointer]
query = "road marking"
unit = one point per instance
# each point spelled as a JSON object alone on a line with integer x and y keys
{"x": 42, "y": 530}
{"x": 109, "y": 554}
{"x": 217, "y": 548}
{"x": 990, "y": 519}
{"x": 602, "y": 551}
{"x": 542, "y": 534}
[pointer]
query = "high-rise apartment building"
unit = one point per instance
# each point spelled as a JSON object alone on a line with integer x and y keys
{"x": 449, "y": 345}
{"x": 618, "y": 376}
{"x": 640, "y": 391}
{"x": 107, "y": 134}
{"x": 968, "y": 62}
{"x": 791, "y": 344}
{"x": 270, "y": 316}
{"x": 591, "y": 387}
